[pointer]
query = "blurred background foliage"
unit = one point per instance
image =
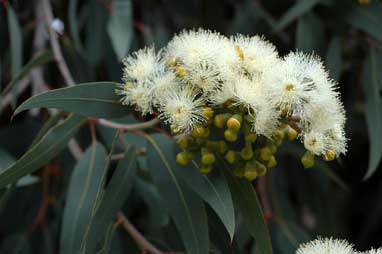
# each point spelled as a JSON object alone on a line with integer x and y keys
{"x": 341, "y": 199}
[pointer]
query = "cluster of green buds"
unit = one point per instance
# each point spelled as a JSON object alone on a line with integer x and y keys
{"x": 228, "y": 135}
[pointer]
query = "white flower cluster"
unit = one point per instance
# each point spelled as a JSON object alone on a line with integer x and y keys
{"x": 331, "y": 246}
{"x": 203, "y": 68}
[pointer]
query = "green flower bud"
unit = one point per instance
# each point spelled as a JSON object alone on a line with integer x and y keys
{"x": 250, "y": 171}
{"x": 230, "y": 156}
{"x": 250, "y": 137}
{"x": 208, "y": 158}
{"x": 230, "y": 135}
{"x": 247, "y": 152}
{"x": 222, "y": 147}
{"x": 265, "y": 153}
{"x": 278, "y": 135}
{"x": 208, "y": 112}
{"x": 220, "y": 120}
{"x": 183, "y": 142}
{"x": 234, "y": 122}
{"x": 200, "y": 132}
{"x": 272, "y": 162}
{"x": 307, "y": 159}
{"x": 205, "y": 169}
{"x": 292, "y": 133}
{"x": 329, "y": 155}
{"x": 183, "y": 158}
{"x": 260, "y": 168}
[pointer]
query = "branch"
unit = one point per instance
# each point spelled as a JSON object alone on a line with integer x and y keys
{"x": 63, "y": 67}
{"x": 128, "y": 127}
{"x": 143, "y": 243}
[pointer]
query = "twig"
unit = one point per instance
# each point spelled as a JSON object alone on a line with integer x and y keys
{"x": 23, "y": 84}
{"x": 63, "y": 67}
{"x": 143, "y": 243}
{"x": 128, "y": 127}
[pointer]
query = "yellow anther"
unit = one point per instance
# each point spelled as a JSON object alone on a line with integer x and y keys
{"x": 239, "y": 52}
{"x": 220, "y": 120}
{"x": 181, "y": 72}
{"x": 208, "y": 158}
{"x": 272, "y": 162}
{"x": 307, "y": 160}
{"x": 230, "y": 135}
{"x": 289, "y": 87}
{"x": 234, "y": 122}
{"x": 171, "y": 62}
{"x": 329, "y": 155}
{"x": 230, "y": 156}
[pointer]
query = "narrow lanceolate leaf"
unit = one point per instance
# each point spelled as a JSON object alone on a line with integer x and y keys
{"x": 85, "y": 183}
{"x": 298, "y": 9}
{"x": 108, "y": 203}
{"x": 73, "y": 25}
{"x": 372, "y": 84}
{"x": 334, "y": 58}
{"x": 91, "y": 99}
{"x": 120, "y": 27}
{"x": 310, "y": 34}
{"x": 43, "y": 151}
{"x": 366, "y": 17}
{"x": 15, "y": 36}
{"x": 186, "y": 208}
{"x": 40, "y": 59}
{"x": 248, "y": 205}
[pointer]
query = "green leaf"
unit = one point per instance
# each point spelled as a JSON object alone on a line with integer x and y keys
{"x": 247, "y": 203}
{"x": 366, "y": 17}
{"x": 297, "y": 10}
{"x": 214, "y": 190}
{"x": 15, "y": 36}
{"x": 42, "y": 58}
{"x": 85, "y": 183}
{"x": 43, "y": 151}
{"x": 73, "y": 25}
{"x": 109, "y": 202}
{"x": 334, "y": 58}
{"x": 90, "y": 99}
{"x": 372, "y": 84}
{"x": 5, "y": 195}
{"x": 120, "y": 27}
{"x": 310, "y": 34}
{"x": 184, "y": 206}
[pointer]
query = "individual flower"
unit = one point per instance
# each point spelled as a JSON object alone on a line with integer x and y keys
{"x": 256, "y": 54}
{"x": 326, "y": 246}
{"x": 138, "y": 95}
{"x": 183, "y": 109}
{"x": 316, "y": 142}
{"x": 293, "y": 82}
{"x": 204, "y": 76}
{"x": 142, "y": 65}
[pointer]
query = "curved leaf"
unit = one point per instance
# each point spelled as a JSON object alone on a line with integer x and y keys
{"x": 120, "y": 27}
{"x": 15, "y": 36}
{"x": 108, "y": 203}
{"x": 43, "y": 151}
{"x": 246, "y": 201}
{"x": 90, "y": 99}
{"x": 185, "y": 207}
{"x": 372, "y": 84}
{"x": 85, "y": 183}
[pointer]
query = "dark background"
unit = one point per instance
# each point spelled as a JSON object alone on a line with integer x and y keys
{"x": 333, "y": 199}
